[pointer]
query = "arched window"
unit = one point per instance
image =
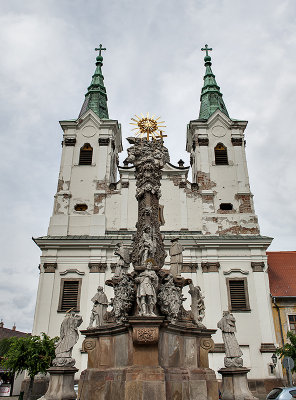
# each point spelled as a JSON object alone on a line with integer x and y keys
{"x": 221, "y": 154}
{"x": 85, "y": 157}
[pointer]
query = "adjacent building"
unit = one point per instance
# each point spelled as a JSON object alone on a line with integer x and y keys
{"x": 282, "y": 279}
{"x": 208, "y": 205}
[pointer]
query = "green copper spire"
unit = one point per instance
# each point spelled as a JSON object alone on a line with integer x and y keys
{"x": 96, "y": 96}
{"x": 211, "y": 98}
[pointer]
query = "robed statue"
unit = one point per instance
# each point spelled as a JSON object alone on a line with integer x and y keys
{"x": 232, "y": 350}
{"x": 99, "y": 308}
{"x": 68, "y": 338}
{"x": 197, "y": 303}
{"x": 146, "y": 291}
{"x": 123, "y": 262}
{"x": 176, "y": 262}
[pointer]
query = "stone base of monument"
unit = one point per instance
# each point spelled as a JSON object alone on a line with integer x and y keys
{"x": 61, "y": 384}
{"x": 235, "y": 384}
{"x": 148, "y": 358}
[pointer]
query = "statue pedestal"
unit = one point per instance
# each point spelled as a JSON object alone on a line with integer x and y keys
{"x": 235, "y": 384}
{"x": 61, "y": 384}
{"x": 148, "y": 358}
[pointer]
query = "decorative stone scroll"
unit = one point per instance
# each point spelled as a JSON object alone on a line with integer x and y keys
{"x": 97, "y": 267}
{"x": 257, "y": 266}
{"x": 69, "y": 141}
{"x": 104, "y": 141}
{"x": 189, "y": 267}
{"x": 210, "y": 266}
{"x": 203, "y": 141}
{"x": 88, "y": 344}
{"x": 50, "y": 267}
{"x": 237, "y": 141}
{"x": 207, "y": 344}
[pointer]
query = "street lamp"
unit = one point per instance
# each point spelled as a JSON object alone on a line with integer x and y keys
{"x": 274, "y": 360}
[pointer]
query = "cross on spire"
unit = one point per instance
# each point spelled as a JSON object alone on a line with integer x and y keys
{"x": 100, "y": 48}
{"x": 207, "y": 49}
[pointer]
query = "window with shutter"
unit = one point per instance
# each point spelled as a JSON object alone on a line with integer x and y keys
{"x": 85, "y": 157}
{"x": 238, "y": 294}
{"x": 70, "y": 294}
{"x": 221, "y": 155}
{"x": 292, "y": 322}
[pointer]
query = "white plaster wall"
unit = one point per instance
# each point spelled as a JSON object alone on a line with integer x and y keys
{"x": 253, "y": 328}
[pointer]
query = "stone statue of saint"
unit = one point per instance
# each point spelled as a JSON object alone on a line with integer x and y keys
{"x": 68, "y": 338}
{"x": 176, "y": 257}
{"x": 147, "y": 245}
{"x": 124, "y": 260}
{"x": 99, "y": 308}
{"x": 232, "y": 350}
{"x": 197, "y": 304}
{"x": 146, "y": 292}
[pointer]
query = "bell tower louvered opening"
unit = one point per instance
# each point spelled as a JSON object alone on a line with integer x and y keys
{"x": 70, "y": 294}
{"x": 238, "y": 294}
{"x": 85, "y": 157}
{"x": 221, "y": 157}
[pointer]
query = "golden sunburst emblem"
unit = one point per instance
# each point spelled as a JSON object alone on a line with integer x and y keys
{"x": 148, "y": 127}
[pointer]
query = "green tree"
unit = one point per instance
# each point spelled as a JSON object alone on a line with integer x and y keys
{"x": 32, "y": 354}
{"x": 4, "y": 346}
{"x": 289, "y": 349}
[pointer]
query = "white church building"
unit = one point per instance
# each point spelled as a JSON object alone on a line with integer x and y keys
{"x": 208, "y": 206}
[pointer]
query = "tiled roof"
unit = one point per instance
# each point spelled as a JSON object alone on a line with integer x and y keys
{"x": 8, "y": 333}
{"x": 282, "y": 273}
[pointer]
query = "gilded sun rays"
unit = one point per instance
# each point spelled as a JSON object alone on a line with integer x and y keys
{"x": 148, "y": 127}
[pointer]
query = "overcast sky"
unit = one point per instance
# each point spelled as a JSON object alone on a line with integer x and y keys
{"x": 153, "y": 63}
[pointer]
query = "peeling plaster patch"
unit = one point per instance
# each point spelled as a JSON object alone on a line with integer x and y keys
{"x": 239, "y": 230}
{"x": 99, "y": 200}
{"x": 208, "y": 203}
{"x": 103, "y": 185}
{"x": 186, "y": 186}
{"x": 63, "y": 185}
{"x": 204, "y": 181}
{"x": 245, "y": 203}
{"x": 176, "y": 179}
{"x": 191, "y": 193}
{"x": 61, "y": 204}
{"x": 60, "y": 185}
{"x": 222, "y": 225}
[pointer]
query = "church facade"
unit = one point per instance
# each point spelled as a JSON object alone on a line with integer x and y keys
{"x": 212, "y": 214}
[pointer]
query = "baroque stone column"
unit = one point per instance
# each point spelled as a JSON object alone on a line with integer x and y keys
{"x": 148, "y": 157}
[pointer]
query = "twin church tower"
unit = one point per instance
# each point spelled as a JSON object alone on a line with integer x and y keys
{"x": 209, "y": 209}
